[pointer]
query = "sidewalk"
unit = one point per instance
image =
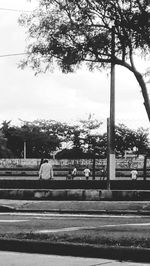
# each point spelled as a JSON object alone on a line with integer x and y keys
{"x": 7, "y": 258}
{"x": 89, "y": 207}
{"x": 89, "y": 251}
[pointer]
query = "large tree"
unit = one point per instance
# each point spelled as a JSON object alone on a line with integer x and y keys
{"x": 69, "y": 32}
{"x": 45, "y": 137}
{"x": 41, "y": 137}
{"x": 127, "y": 139}
{"x": 85, "y": 139}
{"x": 5, "y": 152}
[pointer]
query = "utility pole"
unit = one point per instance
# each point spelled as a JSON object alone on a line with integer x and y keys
{"x": 108, "y": 153}
{"x": 94, "y": 159}
{"x": 111, "y": 148}
{"x": 144, "y": 168}
{"x": 25, "y": 150}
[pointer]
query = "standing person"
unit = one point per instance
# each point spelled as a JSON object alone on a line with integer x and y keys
{"x": 134, "y": 174}
{"x": 102, "y": 174}
{"x": 87, "y": 173}
{"x": 69, "y": 175}
{"x": 74, "y": 172}
{"x": 46, "y": 170}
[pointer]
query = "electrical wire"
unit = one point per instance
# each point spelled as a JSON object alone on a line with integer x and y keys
{"x": 7, "y": 55}
{"x": 14, "y": 10}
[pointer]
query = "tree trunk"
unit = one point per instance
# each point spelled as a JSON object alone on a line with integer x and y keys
{"x": 141, "y": 82}
{"x": 144, "y": 92}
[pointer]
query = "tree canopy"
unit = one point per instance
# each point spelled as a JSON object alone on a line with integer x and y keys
{"x": 69, "y": 32}
{"x": 127, "y": 139}
{"x": 44, "y": 138}
{"x": 41, "y": 137}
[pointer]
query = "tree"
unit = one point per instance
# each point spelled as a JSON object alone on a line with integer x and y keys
{"x": 4, "y": 151}
{"x": 85, "y": 145}
{"x": 69, "y": 32}
{"x": 127, "y": 139}
{"x": 41, "y": 138}
{"x": 44, "y": 137}
{"x": 80, "y": 139}
{"x": 14, "y": 144}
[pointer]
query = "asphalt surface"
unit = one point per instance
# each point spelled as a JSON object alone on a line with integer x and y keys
{"x": 46, "y": 223}
{"x": 16, "y": 210}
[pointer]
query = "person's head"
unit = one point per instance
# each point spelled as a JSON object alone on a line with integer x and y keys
{"x": 45, "y": 161}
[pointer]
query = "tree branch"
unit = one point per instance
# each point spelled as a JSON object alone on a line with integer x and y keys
{"x": 99, "y": 60}
{"x": 141, "y": 82}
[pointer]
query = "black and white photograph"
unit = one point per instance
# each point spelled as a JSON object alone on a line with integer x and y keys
{"x": 75, "y": 132}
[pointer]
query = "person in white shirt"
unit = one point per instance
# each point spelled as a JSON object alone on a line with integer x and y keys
{"x": 86, "y": 173}
{"x": 46, "y": 170}
{"x": 134, "y": 174}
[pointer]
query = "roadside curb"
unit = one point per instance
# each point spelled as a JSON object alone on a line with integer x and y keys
{"x": 5, "y": 208}
{"x": 80, "y": 250}
{"x": 98, "y": 212}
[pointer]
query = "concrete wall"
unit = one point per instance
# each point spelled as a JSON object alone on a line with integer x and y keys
{"x": 120, "y": 163}
{"x": 75, "y": 195}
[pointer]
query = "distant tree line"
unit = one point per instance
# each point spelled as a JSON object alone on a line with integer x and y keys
{"x": 46, "y": 138}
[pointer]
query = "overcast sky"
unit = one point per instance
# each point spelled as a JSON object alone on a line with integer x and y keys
{"x": 63, "y": 97}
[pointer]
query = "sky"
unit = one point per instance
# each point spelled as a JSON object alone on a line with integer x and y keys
{"x": 62, "y": 97}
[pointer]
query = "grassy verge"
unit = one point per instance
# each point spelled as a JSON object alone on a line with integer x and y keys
{"x": 106, "y": 237}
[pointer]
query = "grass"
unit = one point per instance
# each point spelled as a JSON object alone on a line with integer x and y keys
{"x": 106, "y": 237}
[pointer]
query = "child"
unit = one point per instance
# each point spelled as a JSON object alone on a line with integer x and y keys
{"x": 69, "y": 175}
{"x": 86, "y": 173}
{"x": 134, "y": 174}
{"x": 102, "y": 174}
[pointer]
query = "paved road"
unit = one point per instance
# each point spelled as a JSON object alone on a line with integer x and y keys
{"x": 23, "y": 259}
{"x": 45, "y": 223}
{"x": 53, "y": 223}
{"x": 42, "y": 222}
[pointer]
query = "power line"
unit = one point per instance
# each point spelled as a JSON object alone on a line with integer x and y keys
{"x": 14, "y": 10}
{"x": 7, "y": 55}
